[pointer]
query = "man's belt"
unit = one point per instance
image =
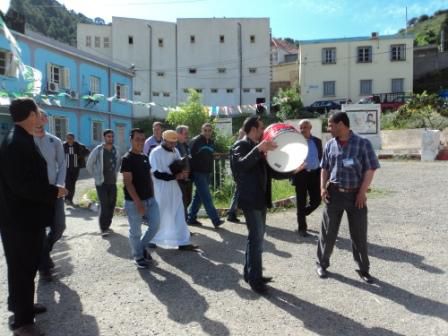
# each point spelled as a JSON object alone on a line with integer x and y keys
{"x": 343, "y": 190}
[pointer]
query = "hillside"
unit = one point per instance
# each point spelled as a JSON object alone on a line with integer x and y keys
{"x": 427, "y": 28}
{"x": 49, "y": 18}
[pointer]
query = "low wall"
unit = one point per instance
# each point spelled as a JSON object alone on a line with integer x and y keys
{"x": 402, "y": 139}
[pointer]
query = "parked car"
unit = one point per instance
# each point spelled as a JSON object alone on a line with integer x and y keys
{"x": 323, "y": 106}
{"x": 388, "y": 101}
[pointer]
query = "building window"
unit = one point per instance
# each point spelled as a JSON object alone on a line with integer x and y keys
{"x": 192, "y": 39}
{"x": 398, "y": 52}
{"x": 121, "y": 91}
{"x": 5, "y": 61}
{"x": 160, "y": 41}
{"x": 329, "y": 89}
{"x": 60, "y": 127}
{"x": 364, "y": 54}
{"x": 89, "y": 41}
{"x": 97, "y": 42}
{"x": 192, "y": 70}
{"x": 365, "y": 87}
{"x": 398, "y": 85}
{"x": 198, "y": 90}
{"x": 221, "y": 38}
{"x": 252, "y": 39}
{"x": 246, "y": 90}
{"x": 214, "y": 90}
{"x": 155, "y": 94}
{"x": 259, "y": 90}
{"x": 221, "y": 70}
{"x": 94, "y": 85}
{"x": 328, "y": 55}
{"x": 160, "y": 74}
{"x": 137, "y": 93}
{"x": 130, "y": 39}
{"x": 106, "y": 42}
{"x": 97, "y": 131}
{"x": 166, "y": 94}
{"x": 252, "y": 70}
{"x": 229, "y": 90}
{"x": 58, "y": 77}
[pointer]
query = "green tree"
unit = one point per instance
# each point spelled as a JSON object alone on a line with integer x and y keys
{"x": 190, "y": 113}
{"x": 289, "y": 103}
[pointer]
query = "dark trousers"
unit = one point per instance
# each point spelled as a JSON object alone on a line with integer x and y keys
{"x": 187, "y": 190}
{"x": 22, "y": 249}
{"x": 70, "y": 182}
{"x": 107, "y": 196}
{"x": 307, "y": 184}
{"x": 357, "y": 223}
{"x": 256, "y": 225}
{"x": 232, "y": 213}
{"x": 57, "y": 228}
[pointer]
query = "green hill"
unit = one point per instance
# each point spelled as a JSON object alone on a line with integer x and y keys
{"x": 427, "y": 28}
{"x": 49, "y": 18}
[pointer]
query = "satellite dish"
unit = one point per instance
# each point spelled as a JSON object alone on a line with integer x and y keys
{"x": 4, "y": 6}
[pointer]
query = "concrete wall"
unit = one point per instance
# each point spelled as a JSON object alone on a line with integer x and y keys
{"x": 430, "y": 63}
{"x": 347, "y": 72}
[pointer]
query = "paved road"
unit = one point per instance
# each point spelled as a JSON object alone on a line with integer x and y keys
{"x": 98, "y": 291}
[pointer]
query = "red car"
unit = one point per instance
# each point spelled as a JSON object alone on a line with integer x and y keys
{"x": 388, "y": 101}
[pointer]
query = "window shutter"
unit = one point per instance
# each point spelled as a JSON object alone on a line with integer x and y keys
{"x": 11, "y": 65}
{"x": 66, "y": 76}
{"x": 125, "y": 92}
{"x": 49, "y": 72}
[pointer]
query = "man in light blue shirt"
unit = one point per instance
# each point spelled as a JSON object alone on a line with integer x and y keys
{"x": 52, "y": 150}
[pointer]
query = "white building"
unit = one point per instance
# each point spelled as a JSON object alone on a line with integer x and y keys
{"x": 351, "y": 68}
{"x": 226, "y": 60}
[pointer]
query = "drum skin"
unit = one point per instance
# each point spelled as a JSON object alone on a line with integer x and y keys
{"x": 292, "y": 147}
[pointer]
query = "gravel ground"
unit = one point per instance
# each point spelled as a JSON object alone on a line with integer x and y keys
{"x": 98, "y": 291}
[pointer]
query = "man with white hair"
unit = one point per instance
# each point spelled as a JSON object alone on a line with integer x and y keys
{"x": 307, "y": 179}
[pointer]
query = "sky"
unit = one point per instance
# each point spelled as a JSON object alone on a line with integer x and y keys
{"x": 298, "y": 19}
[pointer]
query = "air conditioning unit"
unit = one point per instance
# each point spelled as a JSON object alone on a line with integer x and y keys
{"x": 374, "y": 35}
{"x": 53, "y": 87}
{"x": 74, "y": 95}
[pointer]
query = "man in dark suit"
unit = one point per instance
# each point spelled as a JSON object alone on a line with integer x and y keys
{"x": 253, "y": 182}
{"x": 307, "y": 178}
{"x": 26, "y": 207}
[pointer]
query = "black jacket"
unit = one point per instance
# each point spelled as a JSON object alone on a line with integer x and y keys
{"x": 78, "y": 158}
{"x": 26, "y": 197}
{"x": 250, "y": 172}
{"x": 201, "y": 154}
{"x": 318, "y": 144}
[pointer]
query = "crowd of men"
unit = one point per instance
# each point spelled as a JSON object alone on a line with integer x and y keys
{"x": 38, "y": 171}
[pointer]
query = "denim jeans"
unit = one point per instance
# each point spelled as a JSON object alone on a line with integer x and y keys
{"x": 57, "y": 228}
{"x": 256, "y": 224}
{"x": 136, "y": 240}
{"x": 202, "y": 195}
{"x": 234, "y": 203}
{"x": 107, "y": 196}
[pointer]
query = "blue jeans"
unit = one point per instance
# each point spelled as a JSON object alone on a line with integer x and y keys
{"x": 137, "y": 241}
{"x": 57, "y": 228}
{"x": 256, "y": 224}
{"x": 202, "y": 195}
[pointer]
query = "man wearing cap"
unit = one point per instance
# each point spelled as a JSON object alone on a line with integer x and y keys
{"x": 173, "y": 230}
{"x": 307, "y": 179}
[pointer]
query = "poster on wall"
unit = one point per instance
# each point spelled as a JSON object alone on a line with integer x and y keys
{"x": 224, "y": 126}
{"x": 363, "y": 121}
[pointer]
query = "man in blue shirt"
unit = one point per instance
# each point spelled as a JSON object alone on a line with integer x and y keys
{"x": 348, "y": 165}
{"x": 307, "y": 179}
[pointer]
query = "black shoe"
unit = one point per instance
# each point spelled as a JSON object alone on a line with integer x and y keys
{"x": 303, "y": 233}
{"x": 233, "y": 219}
{"x": 51, "y": 264}
{"x": 218, "y": 223}
{"x": 46, "y": 275}
{"x": 189, "y": 247}
{"x": 365, "y": 276}
{"x": 147, "y": 255}
{"x": 141, "y": 263}
{"x": 321, "y": 272}
{"x": 194, "y": 222}
{"x": 28, "y": 330}
{"x": 152, "y": 245}
{"x": 259, "y": 287}
{"x": 263, "y": 279}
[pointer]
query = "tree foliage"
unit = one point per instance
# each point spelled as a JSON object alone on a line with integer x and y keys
{"x": 289, "y": 103}
{"x": 190, "y": 113}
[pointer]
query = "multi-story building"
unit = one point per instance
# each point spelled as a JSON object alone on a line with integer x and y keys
{"x": 226, "y": 60}
{"x": 285, "y": 69}
{"x": 70, "y": 79}
{"x": 352, "y": 68}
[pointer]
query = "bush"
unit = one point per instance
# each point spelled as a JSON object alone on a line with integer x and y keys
{"x": 289, "y": 103}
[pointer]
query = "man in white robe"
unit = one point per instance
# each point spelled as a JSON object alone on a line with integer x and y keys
{"x": 173, "y": 230}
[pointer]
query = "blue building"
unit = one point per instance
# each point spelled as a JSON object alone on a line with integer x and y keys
{"x": 75, "y": 88}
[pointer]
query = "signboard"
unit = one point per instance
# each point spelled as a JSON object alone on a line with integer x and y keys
{"x": 224, "y": 126}
{"x": 365, "y": 120}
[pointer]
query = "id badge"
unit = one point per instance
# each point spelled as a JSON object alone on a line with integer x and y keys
{"x": 348, "y": 162}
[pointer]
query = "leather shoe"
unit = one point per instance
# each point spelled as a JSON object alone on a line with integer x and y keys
{"x": 233, "y": 219}
{"x": 194, "y": 222}
{"x": 218, "y": 223}
{"x": 28, "y": 330}
{"x": 258, "y": 287}
{"x": 303, "y": 233}
{"x": 189, "y": 247}
{"x": 321, "y": 272}
{"x": 263, "y": 279}
{"x": 365, "y": 276}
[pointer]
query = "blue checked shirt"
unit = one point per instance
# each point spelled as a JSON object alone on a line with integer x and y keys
{"x": 347, "y": 164}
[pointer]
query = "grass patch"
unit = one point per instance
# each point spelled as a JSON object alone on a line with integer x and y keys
{"x": 93, "y": 196}
{"x": 378, "y": 192}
